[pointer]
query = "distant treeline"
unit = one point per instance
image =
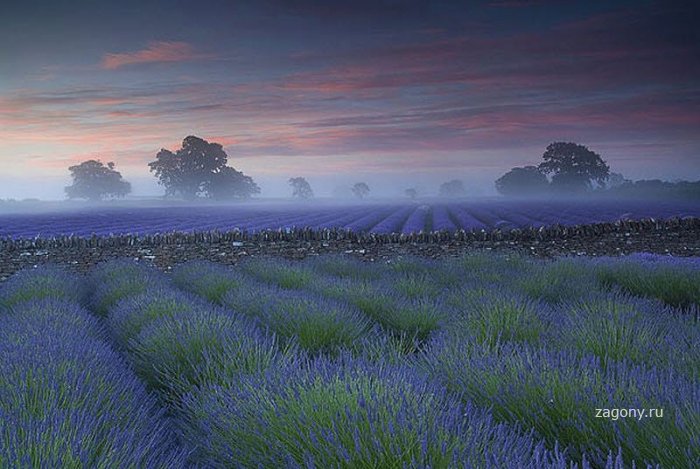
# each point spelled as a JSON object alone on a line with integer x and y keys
{"x": 570, "y": 169}
{"x": 199, "y": 169}
{"x": 654, "y": 188}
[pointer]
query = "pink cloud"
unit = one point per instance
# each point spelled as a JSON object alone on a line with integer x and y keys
{"x": 156, "y": 52}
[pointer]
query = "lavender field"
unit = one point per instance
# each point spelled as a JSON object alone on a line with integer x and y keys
{"x": 479, "y": 361}
{"x": 368, "y": 217}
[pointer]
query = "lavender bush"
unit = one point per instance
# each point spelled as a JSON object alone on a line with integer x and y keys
{"x": 284, "y": 274}
{"x": 114, "y": 280}
{"x": 176, "y": 353}
{"x": 66, "y": 398}
{"x": 207, "y": 279}
{"x": 46, "y": 281}
{"x": 335, "y": 362}
{"x": 557, "y": 393}
{"x": 349, "y": 413}
{"x": 317, "y": 324}
{"x": 675, "y": 283}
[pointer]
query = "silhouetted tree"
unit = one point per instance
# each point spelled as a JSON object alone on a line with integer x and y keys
{"x": 655, "y": 188}
{"x": 527, "y": 180}
{"x": 93, "y": 180}
{"x": 360, "y": 189}
{"x": 199, "y": 168}
{"x": 573, "y": 167}
{"x": 227, "y": 184}
{"x": 301, "y": 188}
{"x": 411, "y": 193}
{"x": 453, "y": 188}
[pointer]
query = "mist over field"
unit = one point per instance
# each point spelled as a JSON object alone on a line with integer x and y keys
{"x": 384, "y": 186}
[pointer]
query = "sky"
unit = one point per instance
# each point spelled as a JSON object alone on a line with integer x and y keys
{"x": 396, "y": 93}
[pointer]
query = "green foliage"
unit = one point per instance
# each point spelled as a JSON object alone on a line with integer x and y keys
{"x": 558, "y": 281}
{"x": 282, "y": 274}
{"x": 676, "y": 285}
{"x": 174, "y": 354}
{"x": 557, "y": 394}
{"x": 345, "y": 267}
{"x": 541, "y": 343}
{"x": 484, "y": 268}
{"x": 198, "y": 278}
{"x": 416, "y": 318}
{"x": 318, "y": 327}
{"x": 129, "y": 317}
{"x": 316, "y": 324}
{"x": 617, "y": 327}
{"x": 417, "y": 286}
{"x": 352, "y": 416}
{"x": 44, "y": 282}
{"x": 108, "y": 295}
{"x": 490, "y": 317}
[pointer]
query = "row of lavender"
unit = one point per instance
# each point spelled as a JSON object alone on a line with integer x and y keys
{"x": 337, "y": 363}
{"x": 543, "y": 345}
{"x": 67, "y": 398}
{"x": 372, "y": 218}
{"x": 280, "y": 381}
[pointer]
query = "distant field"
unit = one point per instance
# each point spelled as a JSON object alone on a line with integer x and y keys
{"x": 368, "y": 217}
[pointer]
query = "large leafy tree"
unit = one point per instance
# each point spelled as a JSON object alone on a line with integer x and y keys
{"x": 360, "y": 189}
{"x": 199, "y": 168}
{"x": 93, "y": 180}
{"x": 573, "y": 167}
{"x": 301, "y": 188}
{"x": 453, "y": 188}
{"x": 527, "y": 180}
{"x": 227, "y": 184}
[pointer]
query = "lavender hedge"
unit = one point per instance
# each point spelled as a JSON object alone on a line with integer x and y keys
{"x": 385, "y": 364}
{"x": 319, "y": 325}
{"x": 676, "y": 283}
{"x": 557, "y": 393}
{"x": 48, "y": 281}
{"x": 66, "y": 398}
{"x": 315, "y": 323}
{"x": 349, "y": 413}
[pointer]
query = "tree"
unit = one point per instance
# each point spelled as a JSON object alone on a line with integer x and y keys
{"x": 301, "y": 188}
{"x": 360, "y": 189}
{"x": 199, "y": 168}
{"x": 615, "y": 180}
{"x": 227, "y": 184}
{"x": 93, "y": 180}
{"x": 573, "y": 167}
{"x": 527, "y": 180}
{"x": 411, "y": 193}
{"x": 453, "y": 188}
